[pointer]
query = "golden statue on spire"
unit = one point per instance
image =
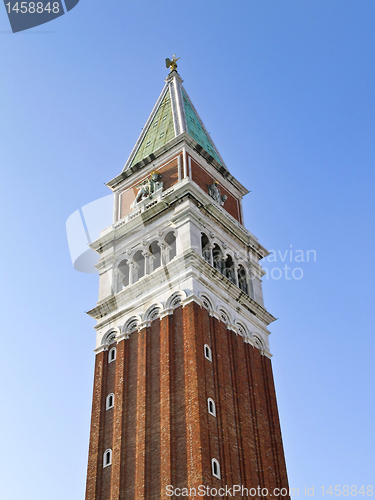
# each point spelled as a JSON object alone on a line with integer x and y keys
{"x": 172, "y": 64}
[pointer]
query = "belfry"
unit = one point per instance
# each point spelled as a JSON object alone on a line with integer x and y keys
{"x": 184, "y": 396}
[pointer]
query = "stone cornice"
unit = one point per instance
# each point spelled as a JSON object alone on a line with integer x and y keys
{"x": 186, "y": 187}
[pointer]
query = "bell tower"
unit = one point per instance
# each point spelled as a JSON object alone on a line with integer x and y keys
{"x": 183, "y": 388}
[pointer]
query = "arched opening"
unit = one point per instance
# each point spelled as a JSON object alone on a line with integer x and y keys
{"x": 110, "y": 338}
{"x": 112, "y": 355}
{"x": 206, "y": 251}
{"x": 175, "y": 300}
{"x": 211, "y": 407}
{"x": 242, "y": 281}
{"x": 123, "y": 277}
{"x": 217, "y": 255}
{"x": 229, "y": 269}
{"x": 153, "y": 313}
{"x": 139, "y": 266}
{"x": 242, "y": 330}
{"x": 258, "y": 343}
{"x": 224, "y": 316}
{"x": 207, "y": 352}
{"x": 206, "y": 302}
{"x": 155, "y": 256}
{"x": 215, "y": 468}
{"x": 170, "y": 250}
{"x": 107, "y": 458}
{"x": 110, "y": 401}
{"x": 131, "y": 325}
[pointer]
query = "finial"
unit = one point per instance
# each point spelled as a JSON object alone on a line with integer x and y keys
{"x": 172, "y": 64}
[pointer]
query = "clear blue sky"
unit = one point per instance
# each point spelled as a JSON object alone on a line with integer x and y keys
{"x": 286, "y": 89}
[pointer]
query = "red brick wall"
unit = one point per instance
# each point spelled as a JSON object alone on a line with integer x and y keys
{"x": 203, "y": 179}
{"x": 160, "y": 430}
{"x": 94, "y": 460}
{"x": 170, "y": 177}
{"x": 99, "y": 478}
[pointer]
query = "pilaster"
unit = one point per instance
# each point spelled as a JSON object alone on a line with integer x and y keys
{"x": 193, "y": 428}
{"x": 96, "y": 448}
{"x": 118, "y": 421}
{"x": 165, "y": 405}
{"x": 140, "y": 449}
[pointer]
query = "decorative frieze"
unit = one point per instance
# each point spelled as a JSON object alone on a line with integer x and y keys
{"x": 252, "y": 332}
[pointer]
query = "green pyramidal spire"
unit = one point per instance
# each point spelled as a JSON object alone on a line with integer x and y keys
{"x": 173, "y": 114}
{"x": 196, "y": 129}
{"x": 159, "y": 132}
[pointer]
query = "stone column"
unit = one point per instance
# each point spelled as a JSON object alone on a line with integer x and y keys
{"x": 211, "y": 254}
{"x": 146, "y": 254}
{"x": 162, "y": 253}
{"x": 131, "y": 271}
{"x": 165, "y": 252}
{"x": 235, "y": 270}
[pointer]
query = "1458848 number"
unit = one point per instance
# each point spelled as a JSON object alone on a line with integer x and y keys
{"x": 34, "y": 8}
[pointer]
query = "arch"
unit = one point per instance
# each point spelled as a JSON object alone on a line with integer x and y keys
{"x": 155, "y": 256}
{"x": 131, "y": 324}
{"x": 152, "y": 313}
{"x": 123, "y": 257}
{"x": 217, "y": 256}
{"x": 206, "y": 301}
{"x": 206, "y": 250}
{"x": 242, "y": 279}
{"x": 123, "y": 274}
{"x": 170, "y": 247}
{"x": 139, "y": 265}
{"x": 175, "y": 300}
{"x": 110, "y": 337}
{"x": 112, "y": 354}
{"x": 215, "y": 468}
{"x": 224, "y": 316}
{"x": 211, "y": 407}
{"x": 207, "y": 352}
{"x": 243, "y": 330}
{"x": 258, "y": 341}
{"x": 229, "y": 269}
{"x": 107, "y": 457}
{"x": 110, "y": 401}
